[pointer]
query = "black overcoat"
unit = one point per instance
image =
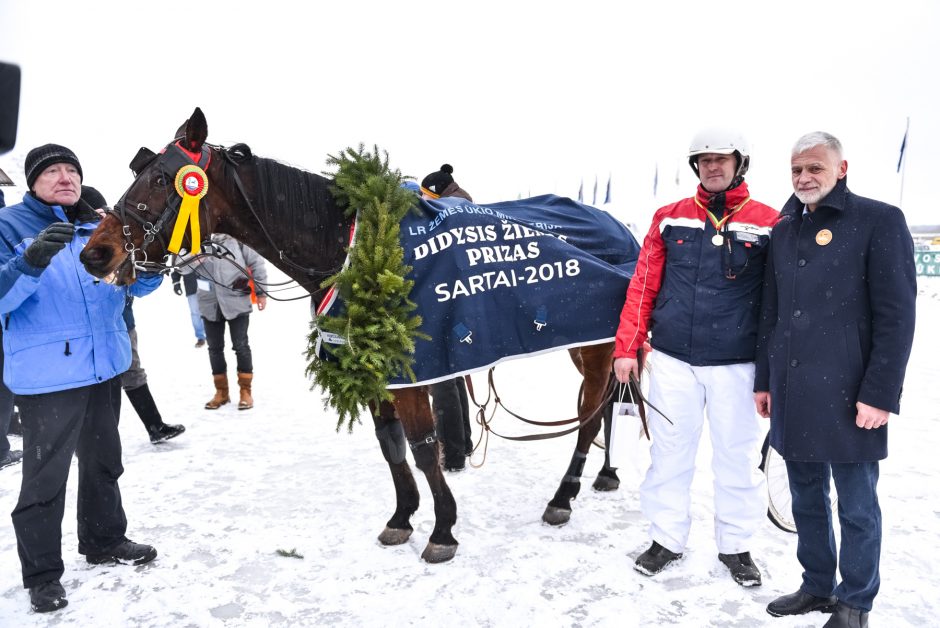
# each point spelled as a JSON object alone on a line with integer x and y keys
{"x": 837, "y": 324}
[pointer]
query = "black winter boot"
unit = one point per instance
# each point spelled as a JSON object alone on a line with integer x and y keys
{"x": 847, "y": 617}
{"x": 655, "y": 559}
{"x": 47, "y": 597}
{"x": 146, "y": 408}
{"x": 742, "y": 568}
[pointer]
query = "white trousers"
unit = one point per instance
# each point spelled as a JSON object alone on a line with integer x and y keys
{"x": 685, "y": 394}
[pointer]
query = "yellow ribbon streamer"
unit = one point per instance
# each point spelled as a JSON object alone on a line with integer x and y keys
{"x": 191, "y": 184}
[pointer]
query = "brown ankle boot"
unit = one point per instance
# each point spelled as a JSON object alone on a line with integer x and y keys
{"x": 221, "y": 392}
{"x": 245, "y": 402}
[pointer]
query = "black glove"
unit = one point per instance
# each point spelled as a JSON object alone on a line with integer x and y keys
{"x": 177, "y": 288}
{"x": 241, "y": 285}
{"x": 50, "y": 241}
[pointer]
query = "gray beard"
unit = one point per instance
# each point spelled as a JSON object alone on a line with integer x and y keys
{"x": 811, "y": 198}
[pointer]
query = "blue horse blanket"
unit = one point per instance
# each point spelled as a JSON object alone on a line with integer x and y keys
{"x": 506, "y": 280}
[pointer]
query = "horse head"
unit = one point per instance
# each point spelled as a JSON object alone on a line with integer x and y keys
{"x": 137, "y": 233}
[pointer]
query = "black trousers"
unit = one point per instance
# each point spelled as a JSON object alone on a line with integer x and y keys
{"x": 56, "y": 425}
{"x": 215, "y": 339}
{"x": 452, "y": 415}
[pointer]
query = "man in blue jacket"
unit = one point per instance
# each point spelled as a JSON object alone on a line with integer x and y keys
{"x": 836, "y": 333}
{"x": 65, "y": 346}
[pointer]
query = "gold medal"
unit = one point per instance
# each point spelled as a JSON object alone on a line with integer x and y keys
{"x": 824, "y": 237}
{"x": 717, "y": 239}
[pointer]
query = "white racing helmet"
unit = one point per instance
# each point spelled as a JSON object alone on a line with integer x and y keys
{"x": 722, "y": 141}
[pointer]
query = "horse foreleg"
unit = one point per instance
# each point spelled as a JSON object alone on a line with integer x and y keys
{"x": 414, "y": 410}
{"x": 594, "y": 364}
{"x": 391, "y": 439}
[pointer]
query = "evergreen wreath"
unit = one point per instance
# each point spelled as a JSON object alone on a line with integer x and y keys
{"x": 379, "y": 324}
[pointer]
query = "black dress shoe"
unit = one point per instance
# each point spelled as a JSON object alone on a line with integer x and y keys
{"x": 127, "y": 553}
{"x": 47, "y": 597}
{"x": 847, "y": 617}
{"x": 801, "y": 602}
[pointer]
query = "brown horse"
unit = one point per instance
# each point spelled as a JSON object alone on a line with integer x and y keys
{"x": 289, "y": 216}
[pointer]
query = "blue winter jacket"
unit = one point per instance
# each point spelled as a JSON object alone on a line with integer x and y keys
{"x": 62, "y": 328}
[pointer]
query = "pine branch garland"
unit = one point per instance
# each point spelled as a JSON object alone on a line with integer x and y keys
{"x": 379, "y": 323}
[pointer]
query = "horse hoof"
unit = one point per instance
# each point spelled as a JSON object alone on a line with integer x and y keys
{"x": 604, "y": 483}
{"x": 556, "y": 516}
{"x": 435, "y": 553}
{"x": 394, "y": 536}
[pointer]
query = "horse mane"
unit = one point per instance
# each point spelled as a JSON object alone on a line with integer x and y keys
{"x": 299, "y": 212}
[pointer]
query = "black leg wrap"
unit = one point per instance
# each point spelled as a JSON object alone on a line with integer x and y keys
{"x": 575, "y": 467}
{"x": 392, "y": 440}
{"x": 425, "y": 451}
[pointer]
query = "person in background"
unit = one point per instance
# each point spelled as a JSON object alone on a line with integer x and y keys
{"x": 8, "y": 456}
{"x": 837, "y": 326}
{"x": 449, "y": 399}
{"x": 71, "y": 347}
{"x": 226, "y": 295}
{"x": 134, "y": 379}
{"x": 697, "y": 289}
{"x": 187, "y": 283}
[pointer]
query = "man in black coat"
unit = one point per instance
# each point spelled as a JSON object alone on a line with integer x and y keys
{"x": 836, "y": 333}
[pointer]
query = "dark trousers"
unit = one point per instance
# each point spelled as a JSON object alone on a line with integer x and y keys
{"x": 215, "y": 340}
{"x": 859, "y": 522}
{"x": 56, "y": 425}
{"x": 452, "y": 416}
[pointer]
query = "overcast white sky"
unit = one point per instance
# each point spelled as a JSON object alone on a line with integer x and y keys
{"x": 521, "y": 97}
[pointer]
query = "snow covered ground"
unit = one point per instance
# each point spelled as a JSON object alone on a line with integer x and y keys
{"x": 220, "y": 501}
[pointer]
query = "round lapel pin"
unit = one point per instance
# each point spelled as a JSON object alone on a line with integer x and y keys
{"x": 824, "y": 237}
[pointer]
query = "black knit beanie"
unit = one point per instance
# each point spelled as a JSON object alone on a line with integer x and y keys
{"x": 44, "y": 156}
{"x": 437, "y": 182}
{"x": 93, "y": 198}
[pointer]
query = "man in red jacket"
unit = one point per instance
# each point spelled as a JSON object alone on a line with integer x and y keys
{"x": 697, "y": 289}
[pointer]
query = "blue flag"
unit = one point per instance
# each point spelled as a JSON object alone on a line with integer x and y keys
{"x": 581, "y": 192}
{"x": 656, "y": 179}
{"x": 499, "y": 281}
{"x": 903, "y": 144}
{"x": 594, "y": 200}
{"x": 607, "y": 198}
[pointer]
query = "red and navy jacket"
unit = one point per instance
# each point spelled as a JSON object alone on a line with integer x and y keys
{"x": 697, "y": 286}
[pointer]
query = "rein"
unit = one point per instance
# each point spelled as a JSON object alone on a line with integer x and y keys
{"x": 580, "y": 420}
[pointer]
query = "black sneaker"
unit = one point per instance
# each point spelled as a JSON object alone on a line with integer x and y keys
{"x": 165, "y": 432}
{"x": 127, "y": 553}
{"x": 742, "y": 568}
{"x": 47, "y": 597}
{"x": 655, "y": 559}
{"x": 12, "y": 458}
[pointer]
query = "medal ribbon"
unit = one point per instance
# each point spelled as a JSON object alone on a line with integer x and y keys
{"x": 718, "y": 224}
{"x": 191, "y": 184}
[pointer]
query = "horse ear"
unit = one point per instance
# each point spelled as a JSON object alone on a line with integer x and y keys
{"x": 196, "y": 130}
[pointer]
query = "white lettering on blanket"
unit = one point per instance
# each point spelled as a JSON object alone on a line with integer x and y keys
{"x": 491, "y": 280}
